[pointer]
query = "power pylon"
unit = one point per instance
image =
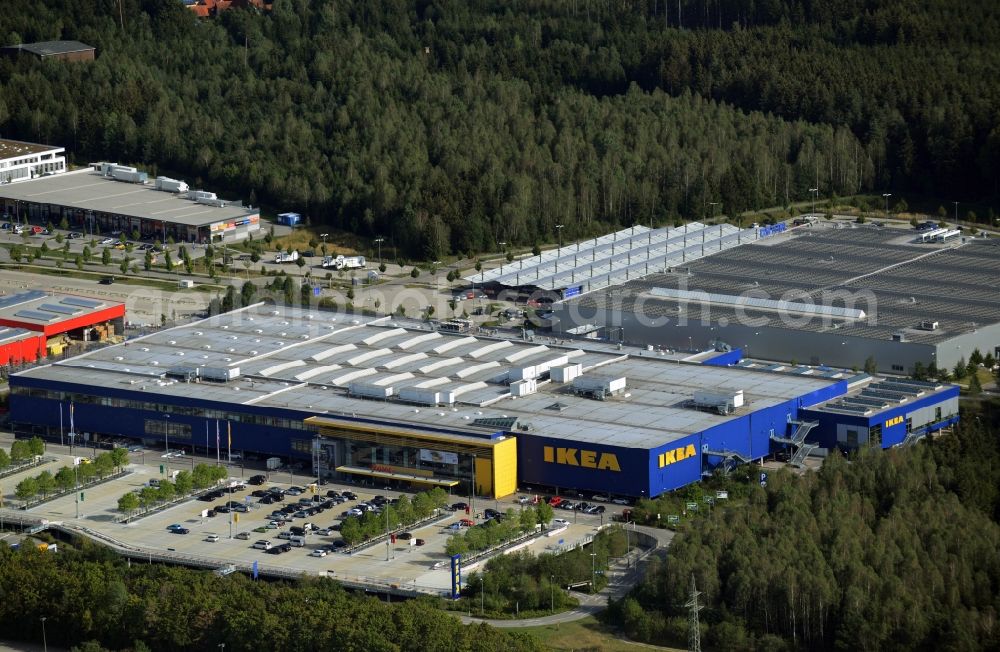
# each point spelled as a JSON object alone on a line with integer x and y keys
{"x": 694, "y": 630}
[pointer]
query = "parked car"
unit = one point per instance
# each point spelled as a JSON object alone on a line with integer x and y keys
{"x": 350, "y": 495}
{"x": 107, "y": 280}
{"x": 244, "y": 536}
{"x": 295, "y": 491}
{"x": 180, "y": 530}
{"x": 338, "y": 544}
{"x": 555, "y": 501}
{"x": 174, "y": 526}
{"x": 559, "y": 522}
{"x": 263, "y": 544}
{"x": 459, "y": 507}
{"x": 257, "y": 479}
{"x": 600, "y": 497}
{"x": 284, "y": 535}
{"x": 524, "y": 500}
{"x": 621, "y": 501}
{"x": 212, "y": 538}
{"x": 420, "y": 542}
{"x": 333, "y": 494}
{"x": 490, "y": 513}
{"x": 404, "y": 536}
{"x": 318, "y": 552}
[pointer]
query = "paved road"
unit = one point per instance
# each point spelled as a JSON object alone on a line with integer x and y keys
{"x": 621, "y": 581}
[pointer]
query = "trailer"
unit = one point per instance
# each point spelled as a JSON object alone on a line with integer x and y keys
{"x": 283, "y": 257}
{"x": 273, "y": 463}
{"x": 128, "y": 175}
{"x": 166, "y": 184}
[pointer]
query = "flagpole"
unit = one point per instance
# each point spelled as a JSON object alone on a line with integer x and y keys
{"x": 217, "y": 460}
{"x": 207, "y": 447}
{"x": 62, "y": 442}
{"x": 229, "y": 441}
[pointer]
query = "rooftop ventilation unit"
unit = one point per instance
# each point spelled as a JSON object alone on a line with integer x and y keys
{"x": 928, "y": 325}
{"x": 523, "y": 387}
{"x": 369, "y": 390}
{"x": 725, "y": 402}
{"x": 566, "y": 374}
{"x": 598, "y": 387}
{"x": 219, "y": 374}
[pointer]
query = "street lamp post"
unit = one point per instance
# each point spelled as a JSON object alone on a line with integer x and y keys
{"x": 593, "y": 572}
{"x": 559, "y": 228}
{"x": 45, "y": 641}
{"x": 886, "y": 196}
{"x": 713, "y": 204}
{"x": 482, "y": 597}
{"x": 815, "y": 194}
{"x": 552, "y": 594}
{"x": 379, "y": 242}
{"x": 956, "y": 212}
{"x": 323, "y": 235}
{"x": 501, "y": 243}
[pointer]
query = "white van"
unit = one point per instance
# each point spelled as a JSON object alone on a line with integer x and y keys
{"x": 297, "y": 541}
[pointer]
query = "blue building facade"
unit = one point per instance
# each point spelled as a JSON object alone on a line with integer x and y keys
{"x": 42, "y": 406}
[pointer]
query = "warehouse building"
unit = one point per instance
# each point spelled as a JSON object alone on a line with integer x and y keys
{"x": 398, "y": 404}
{"x": 817, "y": 295}
{"x": 35, "y": 323}
{"x": 20, "y": 161}
{"x": 107, "y": 197}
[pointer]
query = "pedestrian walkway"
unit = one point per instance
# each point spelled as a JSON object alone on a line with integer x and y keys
{"x": 622, "y": 576}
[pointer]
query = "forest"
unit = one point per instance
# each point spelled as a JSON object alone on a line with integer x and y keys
{"x": 91, "y": 595}
{"x": 447, "y": 126}
{"x": 887, "y": 550}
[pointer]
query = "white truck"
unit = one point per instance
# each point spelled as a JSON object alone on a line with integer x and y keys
{"x": 283, "y": 257}
{"x": 344, "y": 262}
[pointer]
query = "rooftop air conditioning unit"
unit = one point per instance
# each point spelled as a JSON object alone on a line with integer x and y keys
{"x": 598, "y": 387}
{"x": 725, "y": 402}
{"x": 929, "y": 325}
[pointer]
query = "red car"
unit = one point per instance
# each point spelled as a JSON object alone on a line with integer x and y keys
{"x": 467, "y": 522}
{"x": 555, "y": 501}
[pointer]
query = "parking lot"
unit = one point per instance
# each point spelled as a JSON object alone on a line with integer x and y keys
{"x": 230, "y": 537}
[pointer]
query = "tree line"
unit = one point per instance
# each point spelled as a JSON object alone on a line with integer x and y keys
{"x": 403, "y": 513}
{"x": 892, "y": 550}
{"x": 92, "y": 596}
{"x": 442, "y": 126}
{"x": 67, "y": 477}
{"x": 201, "y": 477}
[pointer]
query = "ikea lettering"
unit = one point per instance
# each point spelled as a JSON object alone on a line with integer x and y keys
{"x": 676, "y": 455}
{"x": 895, "y": 421}
{"x": 578, "y": 457}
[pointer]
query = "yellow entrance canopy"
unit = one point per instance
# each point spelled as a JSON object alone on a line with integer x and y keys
{"x": 389, "y": 475}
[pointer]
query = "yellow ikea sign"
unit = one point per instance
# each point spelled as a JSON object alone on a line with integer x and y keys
{"x": 676, "y": 455}
{"x": 578, "y": 457}
{"x": 894, "y": 421}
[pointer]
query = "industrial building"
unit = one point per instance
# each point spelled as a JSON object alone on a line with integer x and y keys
{"x": 826, "y": 294}
{"x": 54, "y": 50}
{"x": 35, "y": 323}
{"x": 107, "y": 197}
{"x": 616, "y": 258}
{"x": 397, "y": 403}
{"x": 20, "y": 161}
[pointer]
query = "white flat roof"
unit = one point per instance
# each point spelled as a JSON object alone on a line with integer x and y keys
{"x": 276, "y": 351}
{"x": 88, "y": 190}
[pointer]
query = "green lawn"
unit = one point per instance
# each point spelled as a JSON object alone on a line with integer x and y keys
{"x": 586, "y": 634}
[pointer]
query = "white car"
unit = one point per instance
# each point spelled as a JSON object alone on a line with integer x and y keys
{"x": 263, "y": 544}
{"x": 559, "y": 522}
{"x": 325, "y": 532}
{"x": 109, "y": 241}
{"x": 273, "y": 525}
{"x": 318, "y": 552}
{"x": 524, "y": 500}
{"x": 212, "y": 538}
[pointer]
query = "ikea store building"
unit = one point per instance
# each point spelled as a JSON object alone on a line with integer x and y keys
{"x": 394, "y": 403}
